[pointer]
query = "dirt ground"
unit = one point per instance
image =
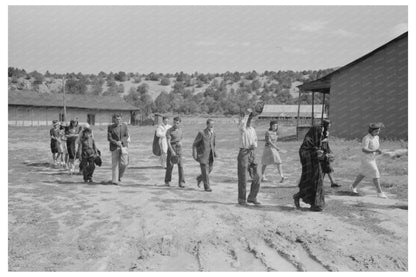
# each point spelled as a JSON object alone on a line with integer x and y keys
{"x": 58, "y": 223}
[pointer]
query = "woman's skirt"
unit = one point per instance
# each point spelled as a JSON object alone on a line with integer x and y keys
{"x": 270, "y": 156}
{"x": 54, "y": 146}
{"x": 326, "y": 166}
{"x": 71, "y": 147}
{"x": 369, "y": 167}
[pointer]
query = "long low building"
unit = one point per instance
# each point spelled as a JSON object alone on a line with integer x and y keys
{"x": 30, "y": 108}
{"x": 291, "y": 111}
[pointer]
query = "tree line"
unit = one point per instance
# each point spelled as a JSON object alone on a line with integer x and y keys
{"x": 222, "y": 93}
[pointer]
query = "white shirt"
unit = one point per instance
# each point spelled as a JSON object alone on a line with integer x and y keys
{"x": 248, "y": 136}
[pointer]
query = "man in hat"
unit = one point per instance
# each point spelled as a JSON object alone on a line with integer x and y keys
{"x": 247, "y": 160}
{"x": 203, "y": 151}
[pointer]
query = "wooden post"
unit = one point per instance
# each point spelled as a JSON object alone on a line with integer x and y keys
{"x": 297, "y": 120}
{"x": 323, "y": 109}
{"x": 64, "y": 104}
{"x": 313, "y": 112}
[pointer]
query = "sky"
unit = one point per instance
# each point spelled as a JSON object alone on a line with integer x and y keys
{"x": 216, "y": 39}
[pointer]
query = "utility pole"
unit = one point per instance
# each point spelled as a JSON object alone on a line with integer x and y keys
{"x": 63, "y": 98}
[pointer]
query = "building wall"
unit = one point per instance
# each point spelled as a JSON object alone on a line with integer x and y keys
{"x": 38, "y": 116}
{"x": 374, "y": 90}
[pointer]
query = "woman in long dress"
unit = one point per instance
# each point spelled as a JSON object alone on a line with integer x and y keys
{"x": 370, "y": 148}
{"x": 271, "y": 152}
{"x": 310, "y": 185}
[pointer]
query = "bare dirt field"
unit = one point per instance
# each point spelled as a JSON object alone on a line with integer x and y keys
{"x": 58, "y": 223}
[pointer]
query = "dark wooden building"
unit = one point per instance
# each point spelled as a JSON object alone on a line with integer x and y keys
{"x": 373, "y": 88}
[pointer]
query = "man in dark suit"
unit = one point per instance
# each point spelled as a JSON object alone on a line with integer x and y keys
{"x": 203, "y": 151}
{"x": 118, "y": 135}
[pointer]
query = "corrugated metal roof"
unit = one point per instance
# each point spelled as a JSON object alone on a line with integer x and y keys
{"x": 33, "y": 98}
{"x": 323, "y": 84}
{"x": 291, "y": 110}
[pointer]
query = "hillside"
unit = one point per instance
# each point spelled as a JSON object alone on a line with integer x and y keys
{"x": 225, "y": 93}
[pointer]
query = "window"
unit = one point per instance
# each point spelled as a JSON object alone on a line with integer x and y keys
{"x": 91, "y": 119}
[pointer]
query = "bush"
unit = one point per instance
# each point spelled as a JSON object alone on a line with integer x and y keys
{"x": 165, "y": 81}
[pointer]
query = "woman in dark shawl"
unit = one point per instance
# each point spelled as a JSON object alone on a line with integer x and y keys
{"x": 310, "y": 185}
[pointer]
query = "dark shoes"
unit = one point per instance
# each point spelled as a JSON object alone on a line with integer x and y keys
{"x": 181, "y": 185}
{"x": 296, "y": 201}
{"x": 167, "y": 184}
{"x": 198, "y": 182}
{"x": 335, "y": 185}
{"x": 316, "y": 209}
{"x": 255, "y": 202}
{"x": 242, "y": 202}
{"x": 208, "y": 189}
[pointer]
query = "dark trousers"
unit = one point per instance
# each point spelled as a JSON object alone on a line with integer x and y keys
{"x": 169, "y": 165}
{"x": 205, "y": 171}
{"x": 247, "y": 160}
{"x": 88, "y": 166}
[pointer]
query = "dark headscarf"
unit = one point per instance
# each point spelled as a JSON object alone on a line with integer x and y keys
{"x": 312, "y": 138}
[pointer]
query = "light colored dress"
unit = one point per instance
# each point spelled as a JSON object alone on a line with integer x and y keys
{"x": 368, "y": 160}
{"x": 161, "y": 133}
{"x": 270, "y": 154}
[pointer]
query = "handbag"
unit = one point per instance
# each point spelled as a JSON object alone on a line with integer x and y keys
{"x": 124, "y": 156}
{"x": 97, "y": 159}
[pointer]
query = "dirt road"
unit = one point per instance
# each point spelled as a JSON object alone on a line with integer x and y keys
{"x": 58, "y": 223}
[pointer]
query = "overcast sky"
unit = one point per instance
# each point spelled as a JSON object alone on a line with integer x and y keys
{"x": 168, "y": 39}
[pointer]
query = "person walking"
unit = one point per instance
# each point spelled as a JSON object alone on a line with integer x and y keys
{"x": 163, "y": 143}
{"x": 203, "y": 151}
{"x": 328, "y": 156}
{"x": 310, "y": 186}
{"x": 54, "y": 135}
{"x": 118, "y": 136}
{"x": 370, "y": 147}
{"x": 174, "y": 138}
{"x": 271, "y": 152}
{"x": 72, "y": 133}
{"x": 87, "y": 152}
{"x": 246, "y": 160}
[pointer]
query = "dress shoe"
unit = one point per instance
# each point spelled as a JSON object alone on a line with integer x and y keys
{"x": 167, "y": 184}
{"x": 382, "y": 195}
{"x": 181, "y": 185}
{"x": 208, "y": 189}
{"x": 335, "y": 185}
{"x": 242, "y": 202}
{"x": 255, "y": 202}
{"x": 316, "y": 209}
{"x": 198, "y": 182}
